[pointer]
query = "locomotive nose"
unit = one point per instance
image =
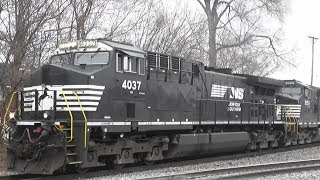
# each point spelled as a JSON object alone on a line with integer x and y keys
{"x": 57, "y": 75}
{"x": 52, "y": 75}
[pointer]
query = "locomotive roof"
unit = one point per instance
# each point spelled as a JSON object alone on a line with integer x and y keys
{"x": 259, "y": 80}
{"x": 98, "y": 44}
{"x": 296, "y": 82}
{"x": 225, "y": 74}
{"x": 121, "y": 46}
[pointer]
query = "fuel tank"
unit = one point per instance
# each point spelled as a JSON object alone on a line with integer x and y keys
{"x": 208, "y": 143}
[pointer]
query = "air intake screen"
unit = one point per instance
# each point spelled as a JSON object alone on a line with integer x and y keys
{"x": 152, "y": 59}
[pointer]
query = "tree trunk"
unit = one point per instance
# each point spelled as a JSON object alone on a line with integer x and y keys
{"x": 80, "y": 27}
{"x": 212, "y": 42}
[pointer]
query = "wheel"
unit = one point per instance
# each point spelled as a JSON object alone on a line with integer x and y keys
{"x": 149, "y": 163}
{"x": 82, "y": 170}
{"x": 118, "y": 166}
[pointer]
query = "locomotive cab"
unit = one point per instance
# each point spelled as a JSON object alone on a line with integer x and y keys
{"x": 93, "y": 69}
{"x": 300, "y": 102}
{"x": 70, "y": 96}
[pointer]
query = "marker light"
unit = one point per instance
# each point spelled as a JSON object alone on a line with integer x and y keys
{"x": 11, "y": 115}
{"x": 46, "y": 115}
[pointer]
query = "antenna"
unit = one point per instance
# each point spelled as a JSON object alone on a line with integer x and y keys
{"x": 313, "y": 39}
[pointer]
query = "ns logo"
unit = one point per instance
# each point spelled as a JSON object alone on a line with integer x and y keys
{"x": 221, "y": 91}
{"x": 236, "y": 93}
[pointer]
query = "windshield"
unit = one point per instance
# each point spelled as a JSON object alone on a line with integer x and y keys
{"x": 291, "y": 90}
{"x": 91, "y": 58}
{"x": 62, "y": 59}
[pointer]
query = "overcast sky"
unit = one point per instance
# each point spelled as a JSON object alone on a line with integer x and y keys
{"x": 302, "y": 21}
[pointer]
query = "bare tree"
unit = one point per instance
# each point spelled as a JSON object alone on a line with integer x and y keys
{"x": 121, "y": 17}
{"x": 235, "y": 23}
{"x": 153, "y": 26}
{"x": 21, "y": 23}
{"x": 86, "y": 14}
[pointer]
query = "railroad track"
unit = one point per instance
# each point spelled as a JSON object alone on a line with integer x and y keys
{"x": 100, "y": 172}
{"x": 251, "y": 171}
{"x": 21, "y": 176}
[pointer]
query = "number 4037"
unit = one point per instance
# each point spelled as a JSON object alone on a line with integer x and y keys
{"x": 131, "y": 85}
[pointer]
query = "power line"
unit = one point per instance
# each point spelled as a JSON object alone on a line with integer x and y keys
{"x": 313, "y": 39}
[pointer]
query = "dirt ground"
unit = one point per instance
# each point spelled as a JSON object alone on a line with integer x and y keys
{"x": 2, "y": 157}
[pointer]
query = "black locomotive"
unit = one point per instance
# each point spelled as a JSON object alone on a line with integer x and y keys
{"x": 100, "y": 102}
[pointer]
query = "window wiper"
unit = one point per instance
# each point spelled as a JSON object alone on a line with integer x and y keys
{"x": 79, "y": 55}
{"x": 69, "y": 58}
{"x": 93, "y": 55}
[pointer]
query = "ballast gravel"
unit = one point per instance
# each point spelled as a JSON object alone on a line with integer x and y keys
{"x": 306, "y": 175}
{"x": 167, "y": 169}
{"x": 299, "y": 154}
{"x": 2, "y": 157}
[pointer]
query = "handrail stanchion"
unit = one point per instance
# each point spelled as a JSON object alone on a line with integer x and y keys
{"x": 71, "y": 116}
{"x": 85, "y": 120}
{"x": 7, "y": 109}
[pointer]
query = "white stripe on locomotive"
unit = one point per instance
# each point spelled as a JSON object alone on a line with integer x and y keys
{"x": 89, "y": 95}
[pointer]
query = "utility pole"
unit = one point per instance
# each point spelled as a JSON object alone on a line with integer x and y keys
{"x": 313, "y": 39}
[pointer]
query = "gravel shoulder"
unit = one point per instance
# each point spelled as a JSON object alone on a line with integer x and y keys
{"x": 300, "y": 154}
{"x": 142, "y": 172}
{"x": 3, "y": 153}
{"x": 306, "y": 175}
{"x": 3, "y": 167}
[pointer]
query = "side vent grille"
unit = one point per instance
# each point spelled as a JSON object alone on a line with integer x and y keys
{"x": 175, "y": 63}
{"x": 164, "y": 61}
{"x": 152, "y": 59}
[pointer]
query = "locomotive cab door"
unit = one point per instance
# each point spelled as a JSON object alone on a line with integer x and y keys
{"x": 129, "y": 94}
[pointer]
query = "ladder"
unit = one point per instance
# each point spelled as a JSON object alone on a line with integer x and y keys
{"x": 68, "y": 129}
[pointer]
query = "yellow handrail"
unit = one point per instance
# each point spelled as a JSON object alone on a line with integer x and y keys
{"x": 295, "y": 121}
{"x": 71, "y": 116}
{"x": 7, "y": 109}
{"x": 19, "y": 106}
{"x": 291, "y": 120}
{"x": 85, "y": 120}
{"x": 288, "y": 119}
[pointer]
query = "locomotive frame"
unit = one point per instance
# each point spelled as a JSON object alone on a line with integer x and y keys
{"x": 102, "y": 102}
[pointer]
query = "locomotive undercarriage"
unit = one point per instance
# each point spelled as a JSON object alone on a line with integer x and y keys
{"x": 120, "y": 149}
{"x": 209, "y": 140}
{"x": 32, "y": 151}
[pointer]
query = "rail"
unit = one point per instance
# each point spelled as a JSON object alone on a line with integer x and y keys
{"x": 85, "y": 120}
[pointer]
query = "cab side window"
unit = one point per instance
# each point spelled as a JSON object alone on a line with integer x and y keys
{"x": 307, "y": 93}
{"x": 119, "y": 62}
{"x": 142, "y": 66}
{"x": 126, "y": 63}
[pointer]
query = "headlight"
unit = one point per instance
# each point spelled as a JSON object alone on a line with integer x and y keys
{"x": 11, "y": 115}
{"x": 46, "y": 115}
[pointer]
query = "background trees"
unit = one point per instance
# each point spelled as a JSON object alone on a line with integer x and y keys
{"x": 239, "y": 36}
{"x": 228, "y": 34}
{"x": 21, "y": 41}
